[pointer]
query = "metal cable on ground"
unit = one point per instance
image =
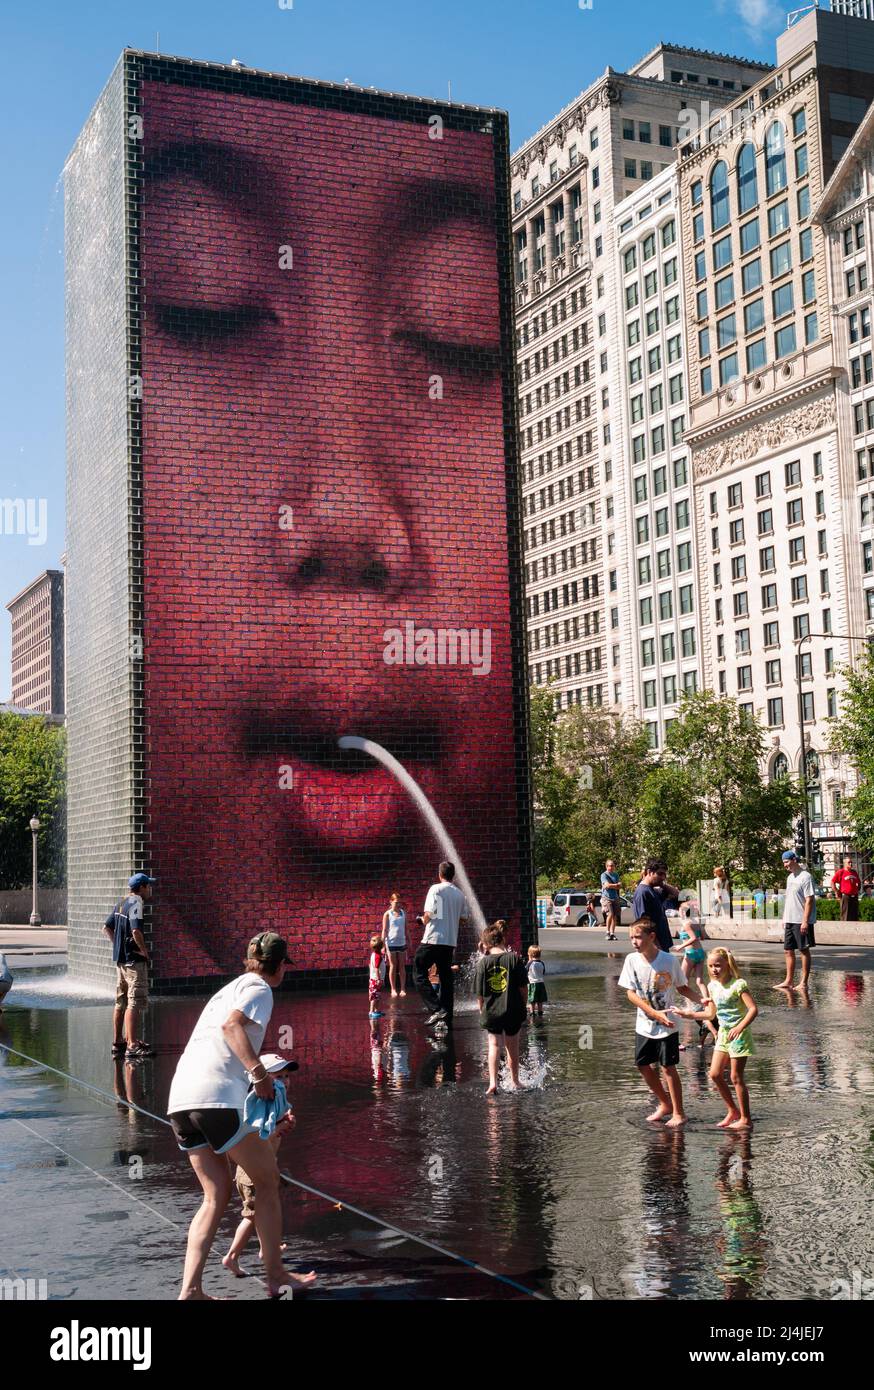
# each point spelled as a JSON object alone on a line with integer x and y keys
{"x": 286, "y": 1177}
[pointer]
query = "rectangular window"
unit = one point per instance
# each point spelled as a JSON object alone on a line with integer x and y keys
{"x": 635, "y": 370}
{"x": 706, "y": 380}
{"x": 631, "y": 168}
{"x": 670, "y": 271}
{"x": 647, "y": 651}
{"x": 767, "y": 560}
{"x": 667, "y": 644}
{"x": 669, "y": 233}
{"x": 728, "y": 369}
{"x": 687, "y": 638}
{"x": 644, "y": 573}
{"x": 652, "y": 322}
{"x": 659, "y": 481}
{"x": 783, "y": 301}
{"x": 722, "y": 253}
{"x": 769, "y": 596}
{"x": 757, "y": 355}
{"x": 784, "y": 341}
{"x": 744, "y": 677}
{"x": 642, "y": 526}
{"x": 771, "y": 634}
{"x": 800, "y": 161}
{"x": 690, "y": 681}
{"x": 793, "y": 473}
{"x": 749, "y": 236}
{"x": 666, "y": 606}
{"x": 805, "y": 243}
{"x": 794, "y": 512}
{"x": 742, "y": 641}
{"x": 775, "y": 712}
{"x": 675, "y": 388}
{"x": 687, "y": 602}
{"x": 772, "y": 671}
{"x": 736, "y": 532}
{"x": 643, "y": 132}
{"x": 741, "y": 604}
{"x": 701, "y": 304}
{"x": 669, "y": 689}
{"x": 646, "y": 612}
{"x": 638, "y": 448}
{"x": 662, "y": 525}
{"x": 654, "y": 360}
{"x": 632, "y": 332}
{"x": 763, "y": 485}
{"x": 751, "y": 275}
{"x": 726, "y": 332}
{"x": 649, "y": 693}
{"x": 801, "y": 626}
{"x": 663, "y": 564}
{"x": 724, "y": 291}
{"x": 666, "y": 137}
{"x": 636, "y": 409}
{"x": 700, "y": 266}
{"x": 781, "y": 259}
{"x": 799, "y": 588}
{"x": 675, "y": 348}
{"x": 657, "y": 440}
{"x": 802, "y": 200}
{"x": 681, "y": 515}
{"x": 684, "y": 557}
{"x": 735, "y": 494}
{"x": 778, "y": 218}
{"x": 811, "y": 328}
{"x": 640, "y": 488}
{"x": 646, "y": 168}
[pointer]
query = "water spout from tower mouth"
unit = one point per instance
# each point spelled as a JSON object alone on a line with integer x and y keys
{"x": 429, "y": 815}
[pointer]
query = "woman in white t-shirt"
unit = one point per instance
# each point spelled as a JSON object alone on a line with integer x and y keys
{"x": 205, "y": 1108}
{"x": 394, "y": 934}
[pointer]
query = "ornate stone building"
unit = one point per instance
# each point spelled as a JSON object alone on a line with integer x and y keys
{"x": 767, "y": 376}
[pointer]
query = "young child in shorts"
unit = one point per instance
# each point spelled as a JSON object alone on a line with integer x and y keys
{"x": 501, "y": 987}
{"x": 377, "y": 975}
{"x": 537, "y": 995}
{"x": 734, "y": 1008}
{"x": 651, "y": 977}
{"x": 280, "y": 1068}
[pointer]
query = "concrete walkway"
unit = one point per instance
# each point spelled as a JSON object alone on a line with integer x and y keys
{"x": 586, "y": 941}
{"x": 27, "y": 948}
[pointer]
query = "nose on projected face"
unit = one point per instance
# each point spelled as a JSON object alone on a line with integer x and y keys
{"x": 412, "y": 788}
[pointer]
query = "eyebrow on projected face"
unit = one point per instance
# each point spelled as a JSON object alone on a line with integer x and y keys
{"x": 223, "y": 168}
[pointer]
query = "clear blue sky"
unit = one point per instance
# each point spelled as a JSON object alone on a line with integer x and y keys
{"x": 527, "y": 56}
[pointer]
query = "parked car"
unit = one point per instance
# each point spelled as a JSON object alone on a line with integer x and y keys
{"x": 569, "y": 909}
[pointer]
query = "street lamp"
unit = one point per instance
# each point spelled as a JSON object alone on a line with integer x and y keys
{"x": 35, "y": 919}
{"x": 799, "y": 643}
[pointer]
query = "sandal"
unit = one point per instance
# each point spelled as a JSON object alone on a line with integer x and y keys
{"x": 140, "y": 1049}
{"x": 118, "y": 1049}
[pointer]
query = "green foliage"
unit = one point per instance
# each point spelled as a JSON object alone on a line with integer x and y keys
{"x": 853, "y": 735}
{"x": 599, "y": 794}
{"x": 32, "y": 783}
{"x": 829, "y": 910}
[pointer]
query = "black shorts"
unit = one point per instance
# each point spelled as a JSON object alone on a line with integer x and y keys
{"x": 508, "y": 1026}
{"x": 657, "y": 1052}
{"x": 794, "y": 939}
{"x": 215, "y": 1129}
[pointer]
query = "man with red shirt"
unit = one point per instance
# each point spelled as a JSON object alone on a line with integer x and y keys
{"x": 846, "y": 883}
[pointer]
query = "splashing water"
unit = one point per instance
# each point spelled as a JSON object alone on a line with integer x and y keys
{"x": 382, "y": 755}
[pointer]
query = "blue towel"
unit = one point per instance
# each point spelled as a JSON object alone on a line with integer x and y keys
{"x": 264, "y": 1115}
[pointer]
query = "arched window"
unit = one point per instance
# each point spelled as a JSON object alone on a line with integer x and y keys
{"x": 747, "y": 188}
{"x": 779, "y": 767}
{"x": 719, "y": 214}
{"x": 775, "y": 159}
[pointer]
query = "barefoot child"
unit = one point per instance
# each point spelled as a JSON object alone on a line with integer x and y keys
{"x": 694, "y": 956}
{"x": 650, "y": 977}
{"x": 280, "y": 1069}
{"x": 501, "y": 987}
{"x": 377, "y": 975}
{"x": 537, "y": 995}
{"x": 734, "y": 1007}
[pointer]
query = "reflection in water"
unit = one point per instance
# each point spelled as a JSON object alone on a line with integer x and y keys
{"x": 741, "y": 1245}
{"x": 663, "y": 1267}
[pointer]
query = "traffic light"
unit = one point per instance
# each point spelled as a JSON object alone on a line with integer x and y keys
{"x": 799, "y": 846}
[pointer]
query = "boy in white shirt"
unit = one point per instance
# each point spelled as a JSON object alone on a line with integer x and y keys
{"x": 650, "y": 976}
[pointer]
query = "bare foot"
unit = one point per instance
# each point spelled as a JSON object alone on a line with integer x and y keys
{"x": 675, "y": 1121}
{"x": 403, "y": 994}
{"x": 663, "y": 1112}
{"x": 740, "y": 1123}
{"x": 491, "y": 1091}
{"x": 276, "y": 1288}
{"x": 784, "y": 984}
{"x": 729, "y": 1119}
{"x": 198, "y": 1296}
{"x": 394, "y": 994}
{"x": 232, "y": 1265}
{"x": 800, "y": 989}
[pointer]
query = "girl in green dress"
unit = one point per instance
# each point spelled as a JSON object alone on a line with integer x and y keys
{"x": 734, "y": 1008}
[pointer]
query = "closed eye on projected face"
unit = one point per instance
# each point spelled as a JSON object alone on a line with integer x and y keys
{"x": 407, "y": 263}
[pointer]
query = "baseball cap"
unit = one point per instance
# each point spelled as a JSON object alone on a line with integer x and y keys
{"x": 140, "y": 880}
{"x": 789, "y": 854}
{"x": 270, "y": 948}
{"x": 271, "y": 1061}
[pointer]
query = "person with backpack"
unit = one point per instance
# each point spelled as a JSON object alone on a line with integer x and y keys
{"x": 501, "y": 988}
{"x": 124, "y": 928}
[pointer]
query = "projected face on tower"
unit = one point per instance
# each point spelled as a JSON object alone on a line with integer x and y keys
{"x": 325, "y": 520}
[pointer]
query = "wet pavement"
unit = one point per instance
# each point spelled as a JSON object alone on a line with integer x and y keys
{"x": 563, "y": 1188}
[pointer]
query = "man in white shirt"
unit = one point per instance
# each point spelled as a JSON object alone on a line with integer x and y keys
{"x": 445, "y": 910}
{"x": 799, "y": 915}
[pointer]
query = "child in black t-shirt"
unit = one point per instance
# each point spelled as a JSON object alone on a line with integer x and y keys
{"x": 501, "y": 986}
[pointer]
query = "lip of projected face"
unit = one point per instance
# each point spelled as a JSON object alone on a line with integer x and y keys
{"x": 340, "y": 797}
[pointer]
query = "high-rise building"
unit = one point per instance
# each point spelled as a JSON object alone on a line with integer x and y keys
{"x": 654, "y": 638}
{"x": 616, "y": 137}
{"x": 765, "y": 373}
{"x": 37, "y": 615}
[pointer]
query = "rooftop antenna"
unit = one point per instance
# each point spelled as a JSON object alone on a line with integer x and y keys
{"x": 157, "y": 41}
{"x": 796, "y": 14}
{"x": 449, "y": 85}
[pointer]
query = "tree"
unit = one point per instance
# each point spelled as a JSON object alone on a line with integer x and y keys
{"x": 705, "y": 804}
{"x": 853, "y": 735}
{"x": 588, "y": 765}
{"x": 32, "y": 783}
